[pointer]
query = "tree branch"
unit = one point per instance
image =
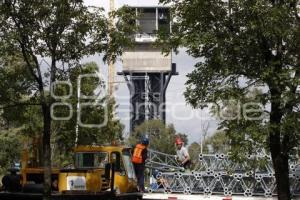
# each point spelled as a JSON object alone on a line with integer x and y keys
{"x": 23, "y": 47}
{"x": 22, "y": 41}
{"x": 19, "y": 104}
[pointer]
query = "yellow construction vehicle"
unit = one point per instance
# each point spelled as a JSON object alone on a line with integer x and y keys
{"x": 97, "y": 170}
{"x": 92, "y": 170}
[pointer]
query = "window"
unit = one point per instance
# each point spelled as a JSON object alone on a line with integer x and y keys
{"x": 147, "y": 20}
{"x": 91, "y": 159}
{"x": 164, "y": 20}
{"x": 119, "y": 166}
{"x": 128, "y": 164}
{"x": 152, "y": 19}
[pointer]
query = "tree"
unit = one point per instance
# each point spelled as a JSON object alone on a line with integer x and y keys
{"x": 61, "y": 31}
{"x": 194, "y": 151}
{"x": 65, "y": 133}
{"x": 11, "y": 144}
{"x": 204, "y": 132}
{"x": 23, "y": 121}
{"x": 246, "y": 136}
{"x": 244, "y": 44}
{"x": 162, "y": 137}
{"x": 219, "y": 142}
{"x": 15, "y": 84}
{"x": 17, "y": 115}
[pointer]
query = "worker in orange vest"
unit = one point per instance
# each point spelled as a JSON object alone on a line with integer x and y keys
{"x": 138, "y": 159}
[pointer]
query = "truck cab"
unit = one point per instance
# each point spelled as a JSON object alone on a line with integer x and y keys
{"x": 90, "y": 170}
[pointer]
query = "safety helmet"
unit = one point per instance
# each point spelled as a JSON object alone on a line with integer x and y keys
{"x": 145, "y": 140}
{"x": 155, "y": 173}
{"x": 178, "y": 141}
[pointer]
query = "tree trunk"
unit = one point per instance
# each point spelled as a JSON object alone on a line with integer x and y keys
{"x": 47, "y": 151}
{"x": 279, "y": 156}
{"x": 282, "y": 176}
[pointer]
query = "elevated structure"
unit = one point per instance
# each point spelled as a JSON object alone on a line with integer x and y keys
{"x": 146, "y": 70}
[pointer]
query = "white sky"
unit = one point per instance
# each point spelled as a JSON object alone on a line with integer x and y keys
{"x": 186, "y": 120}
{"x": 119, "y": 3}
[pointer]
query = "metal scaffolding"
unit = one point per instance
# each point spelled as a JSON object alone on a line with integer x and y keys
{"x": 218, "y": 174}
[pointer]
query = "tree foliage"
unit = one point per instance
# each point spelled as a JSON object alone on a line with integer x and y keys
{"x": 162, "y": 137}
{"x": 26, "y": 119}
{"x": 15, "y": 79}
{"x": 19, "y": 116}
{"x": 194, "y": 150}
{"x": 242, "y": 119}
{"x": 219, "y": 142}
{"x": 11, "y": 145}
{"x": 244, "y": 44}
{"x": 65, "y": 131}
{"x": 62, "y": 32}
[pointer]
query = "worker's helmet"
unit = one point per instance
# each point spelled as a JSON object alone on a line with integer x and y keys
{"x": 155, "y": 173}
{"x": 178, "y": 141}
{"x": 145, "y": 140}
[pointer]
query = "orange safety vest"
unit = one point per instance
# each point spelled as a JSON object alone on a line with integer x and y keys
{"x": 137, "y": 154}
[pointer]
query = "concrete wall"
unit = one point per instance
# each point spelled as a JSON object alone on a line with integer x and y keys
{"x": 145, "y": 58}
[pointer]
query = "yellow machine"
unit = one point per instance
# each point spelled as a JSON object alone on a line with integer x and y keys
{"x": 96, "y": 169}
{"x": 92, "y": 170}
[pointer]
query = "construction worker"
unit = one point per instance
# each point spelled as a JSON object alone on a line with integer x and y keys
{"x": 138, "y": 159}
{"x": 182, "y": 156}
{"x": 158, "y": 182}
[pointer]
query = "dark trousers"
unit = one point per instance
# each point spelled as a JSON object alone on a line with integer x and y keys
{"x": 187, "y": 165}
{"x": 139, "y": 172}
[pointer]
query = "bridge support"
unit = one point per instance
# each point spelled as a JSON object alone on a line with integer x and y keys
{"x": 147, "y": 95}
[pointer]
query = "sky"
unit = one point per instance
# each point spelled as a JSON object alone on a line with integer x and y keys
{"x": 185, "y": 119}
